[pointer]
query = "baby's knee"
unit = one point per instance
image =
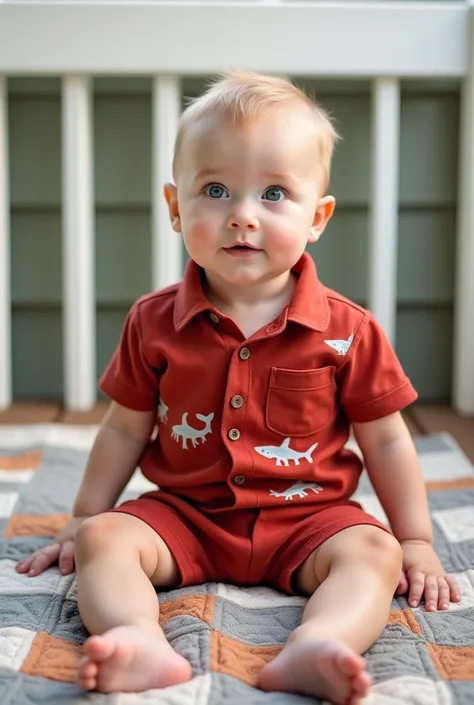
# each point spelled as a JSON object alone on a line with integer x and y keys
{"x": 381, "y": 548}
{"x": 96, "y": 534}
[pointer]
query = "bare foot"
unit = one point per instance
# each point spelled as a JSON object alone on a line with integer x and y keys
{"x": 321, "y": 668}
{"x": 130, "y": 659}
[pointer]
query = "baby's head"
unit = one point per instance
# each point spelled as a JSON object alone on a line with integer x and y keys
{"x": 251, "y": 165}
{"x": 242, "y": 98}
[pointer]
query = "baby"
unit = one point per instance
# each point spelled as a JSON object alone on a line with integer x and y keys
{"x": 235, "y": 391}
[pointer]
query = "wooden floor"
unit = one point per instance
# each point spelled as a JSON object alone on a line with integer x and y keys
{"x": 421, "y": 419}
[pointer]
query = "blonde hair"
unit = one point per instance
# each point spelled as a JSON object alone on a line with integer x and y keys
{"x": 243, "y": 96}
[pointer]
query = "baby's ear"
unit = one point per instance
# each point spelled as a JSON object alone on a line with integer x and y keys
{"x": 171, "y": 195}
{"x": 322, "y": 215}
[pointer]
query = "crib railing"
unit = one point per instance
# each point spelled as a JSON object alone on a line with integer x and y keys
{"x": 383, "y": 41}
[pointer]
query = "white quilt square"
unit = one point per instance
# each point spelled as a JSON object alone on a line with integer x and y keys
{"x": 23, "y": 437}
{"x": 140, "y": 484}
{"x": 371, "y": 505}
{"x": 456, "y": 524}
{"x": 466, "y": 585}
{"x": 258, "y": 597}
{"x": 7, "y": 503}
{"x": 15, "y": 644}
{"x": 77, "y": 437}
{"x": 409, "y": 689}
{"x": 444, "y": 466}
{"x": 16, "y": 476}
{"x": 51, "y": 582}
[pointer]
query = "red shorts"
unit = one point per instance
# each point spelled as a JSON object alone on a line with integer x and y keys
{"x": 242, "y": 546}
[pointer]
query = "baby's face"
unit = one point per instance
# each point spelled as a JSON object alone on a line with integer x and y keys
{"x": 247, "y": 195}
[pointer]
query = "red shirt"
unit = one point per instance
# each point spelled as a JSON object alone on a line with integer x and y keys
{"x": 255, "y": 422}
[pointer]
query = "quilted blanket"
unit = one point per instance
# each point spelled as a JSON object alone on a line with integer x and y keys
{"x": 227, "y": 633}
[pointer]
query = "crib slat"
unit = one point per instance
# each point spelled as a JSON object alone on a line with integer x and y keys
{"x": 166, "y": 244}
{"x": 463, "y": 382}
{"x": 5, "y": 293}
{"x": 383, "y": 241}
{"x": 78, "y": 244}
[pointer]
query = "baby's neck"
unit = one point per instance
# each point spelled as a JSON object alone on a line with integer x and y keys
{"x": 255, "y": 307}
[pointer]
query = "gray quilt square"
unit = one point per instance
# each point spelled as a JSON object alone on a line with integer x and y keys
{"x": 231, "y": 691}
{"x": 63, "y": 468}
{"x": 25, "y": 611}
{"x": 463, "y": 693}
{"x": 63, "y": 620}
{"x": 42, "y": 691}
{"x": 20, "y": 547}
{"x": 386, "y": 660}
{"x": 191, "y": 638}
{"x": 267, "y": 626}
{"x": 448, "y": 628}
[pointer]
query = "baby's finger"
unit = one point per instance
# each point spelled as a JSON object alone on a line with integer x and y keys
{"x": 402, "y": 588}
{"x": 417, "y": 587}
{"x": 454, "y": 589}
{"x": 443, "y": 594}
{"x": 66, "y": 558}
{"x": 431, "y": 593}
{"x": 44, "y": 558}
{"x": 24, "y": 565}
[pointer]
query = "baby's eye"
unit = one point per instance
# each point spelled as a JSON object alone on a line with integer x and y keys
{"x": 216, "y": 191}
{"x": 274, "y": 194}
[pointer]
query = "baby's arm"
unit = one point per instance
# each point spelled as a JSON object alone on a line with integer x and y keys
{"x": 120, "y": 442}
{"x": 392, "y": 464}
{"x": 117, "y": 449}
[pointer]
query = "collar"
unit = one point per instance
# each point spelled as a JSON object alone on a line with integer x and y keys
{"x": 308, "y": 307}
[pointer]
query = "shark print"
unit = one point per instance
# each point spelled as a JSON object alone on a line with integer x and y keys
{"x": 298, "y": 490}
{"x": 163, "y": 412}
{"x": 283, "y": 454}
{"x": 340, "y": 346}
{"x": 188, "y": 433}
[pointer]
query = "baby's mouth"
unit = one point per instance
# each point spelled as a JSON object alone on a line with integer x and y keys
{"x": 244, "y": 247}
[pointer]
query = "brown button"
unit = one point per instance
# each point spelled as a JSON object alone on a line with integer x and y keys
{"x": 234, "y": 434}
{"x": 213, "y": 317}
{"x": 244, "y": 354}
{"x": 239, "y": 479}
{"x": 237, "y": 401}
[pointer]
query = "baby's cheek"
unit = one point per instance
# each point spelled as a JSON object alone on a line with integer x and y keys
{"x": 200, "y": 228}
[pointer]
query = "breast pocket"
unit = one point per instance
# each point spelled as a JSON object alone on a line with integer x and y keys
{"x": 300, "y": 402}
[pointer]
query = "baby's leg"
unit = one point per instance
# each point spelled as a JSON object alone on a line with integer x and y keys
{"x": 118, "y": 560}
{"x": 352, "y": 576}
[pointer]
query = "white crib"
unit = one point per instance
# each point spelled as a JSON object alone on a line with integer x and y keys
{"x": 383, "y": 41}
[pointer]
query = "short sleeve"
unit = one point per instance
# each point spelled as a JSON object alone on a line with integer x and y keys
{"x": 372, "y": 383}
{"x": 129, "y": 378}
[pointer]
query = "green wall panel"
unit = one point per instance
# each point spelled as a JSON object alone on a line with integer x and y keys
{"x": 122, "y": 150}
{"x": 424, "y": 345}
{"x": 341, "y": 253}
{"x": 37, "y": 348}
{"x": 36, "y": 257}
{"x": 123, "y": 264}
{"x": 35, "y": 156}
{"x": 426, "y": 256}
{"x": 428, "y": 150}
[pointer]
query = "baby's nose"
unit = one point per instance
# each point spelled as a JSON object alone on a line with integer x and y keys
{"x": 242, "y": 222}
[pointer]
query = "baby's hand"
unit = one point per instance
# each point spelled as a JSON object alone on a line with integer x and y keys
{"x": 60, "y": 551}
{"x": 424, "y": 575}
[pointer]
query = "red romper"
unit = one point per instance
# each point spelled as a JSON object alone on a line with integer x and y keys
{"x": 249, "y": 458}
